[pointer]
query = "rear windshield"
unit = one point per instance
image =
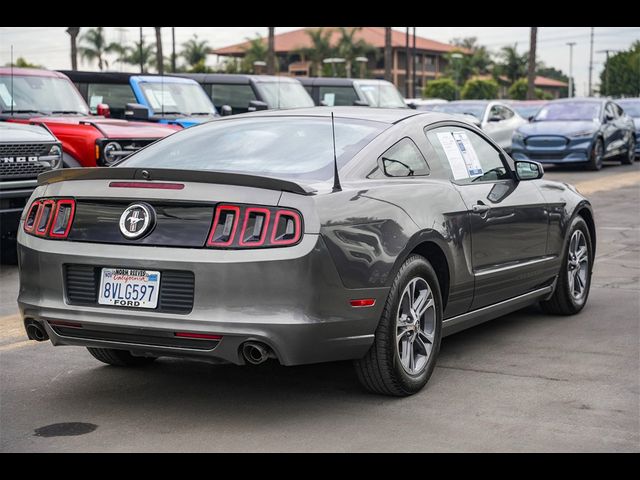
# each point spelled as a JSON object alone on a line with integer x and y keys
{"x": 286, "y": 147}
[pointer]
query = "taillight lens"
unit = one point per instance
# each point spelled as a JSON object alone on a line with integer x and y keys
{"x": 50, "y": 217}
{"x": 246, "y": 226}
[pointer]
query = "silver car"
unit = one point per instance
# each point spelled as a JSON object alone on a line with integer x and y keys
{"x": 496, "y": 118}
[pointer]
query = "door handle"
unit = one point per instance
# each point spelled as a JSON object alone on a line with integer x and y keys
{"x": 480, "y": 208}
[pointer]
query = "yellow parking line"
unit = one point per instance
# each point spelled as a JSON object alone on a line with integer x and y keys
{"x": 13, "y": 346}
{"x": 11, "y": 326}
{"x": 610, "y": 182}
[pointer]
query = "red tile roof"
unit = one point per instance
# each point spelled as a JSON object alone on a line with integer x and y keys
{"x": 296, "y": 39}
{"x": 549, "y": 82}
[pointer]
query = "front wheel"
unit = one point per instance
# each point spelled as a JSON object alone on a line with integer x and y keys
{"x": 407, "y": 340}
{"x": 574, "y": 279}
{"x": 595, "y": 157}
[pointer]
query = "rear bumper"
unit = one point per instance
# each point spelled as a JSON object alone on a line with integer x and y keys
{"x": 292, "y": 299}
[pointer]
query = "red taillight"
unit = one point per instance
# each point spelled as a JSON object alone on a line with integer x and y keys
{"x": 65, "y": 209}
{"x": 51, "y": 218}
{"x": 260, "y": 227}
{"x": 205, "y": 336}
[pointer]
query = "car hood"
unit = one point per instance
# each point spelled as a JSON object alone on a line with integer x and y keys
{"x": 19, "y": 132}
{"x": 557, "y": 128}
{"x": 114, "y": 128}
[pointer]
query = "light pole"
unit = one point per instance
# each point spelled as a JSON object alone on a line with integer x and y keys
{"x": 333, "y": 62}
{"x": 571, "y": 44}
{"x": 457, "y": 56}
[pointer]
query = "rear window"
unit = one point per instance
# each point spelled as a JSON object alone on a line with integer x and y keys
{"x": 286, "y": 147}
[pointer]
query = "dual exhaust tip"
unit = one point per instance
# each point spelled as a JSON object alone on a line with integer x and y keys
{"x": 256, "y": 353}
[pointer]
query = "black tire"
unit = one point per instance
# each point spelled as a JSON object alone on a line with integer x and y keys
{"x": 380, "y": 370}
{"x": 629, "y": 157}
{"x": 595, "y": 159}
{"x": 119, "y": 358}
{"x": 562, "y": 302}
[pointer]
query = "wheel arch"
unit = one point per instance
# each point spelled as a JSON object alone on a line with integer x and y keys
{"x": 585, "y": 212}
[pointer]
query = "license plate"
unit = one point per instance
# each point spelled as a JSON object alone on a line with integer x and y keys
{"x": 129, "y": 287}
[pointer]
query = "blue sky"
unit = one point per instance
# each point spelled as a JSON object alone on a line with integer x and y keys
{"x": 49, "y": 46}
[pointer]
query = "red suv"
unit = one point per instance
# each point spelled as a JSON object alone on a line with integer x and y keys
{"x": 50, "y": 98}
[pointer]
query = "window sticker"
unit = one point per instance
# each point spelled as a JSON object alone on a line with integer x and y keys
{"x": 165, "y": 97}
{"x": 469, "y": 155}
{"x": 329, "y": 99}
{"x": 155, "y": 104}
{"x": 6, "y": 96}
{"x": 454, "y": 156}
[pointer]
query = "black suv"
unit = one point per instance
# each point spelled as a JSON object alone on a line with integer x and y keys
{"x": 232, "y": 93}
{"x": 353, "y": 91}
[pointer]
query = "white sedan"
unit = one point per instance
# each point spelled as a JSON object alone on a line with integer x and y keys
{"x": 497, "y": 119}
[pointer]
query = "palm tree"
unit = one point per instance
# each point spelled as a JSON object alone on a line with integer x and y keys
{"x": 387, "y": 54}
{"x": 349, "y": 48}
{"x": 133, "y": 55}
{"x": 513, "y": 65}
{"x": 95, "y": 47}
{"x": 73, "y": 35}
{"x": 321, "y": 48}
{"x": 271, "y": 52}
{"x": 255, "y": 51}
{"x": 531, "y": 71}
{"x": 159, "y": 56}
{"x": 195, "y": 52}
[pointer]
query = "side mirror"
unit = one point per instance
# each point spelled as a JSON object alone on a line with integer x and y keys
{"x": 495, "y": 118}
{"x": 412, "y": 105}
{"x": 256, "y": 105}
{"x": 225, "y": 110}
{"x": 360, "y": 103}
{"x": 528, "y": 170}
{"x": 531, "y": 118}
{"x": 608, "y": 117}
{"x": 103, "y": 109}
{"x": 135, "y": 111}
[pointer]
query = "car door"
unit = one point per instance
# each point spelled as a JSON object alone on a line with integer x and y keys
{"x": 508, "y": 218}
{"x": 611, "y": 132}
{"x": 494, "y": 125}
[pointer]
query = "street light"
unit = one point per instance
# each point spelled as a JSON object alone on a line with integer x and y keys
{"x": 362, "y": 61}
{"x": 571, "y": 44}
{"x": 333, "y": 62}
{"x": 457, "y": 56}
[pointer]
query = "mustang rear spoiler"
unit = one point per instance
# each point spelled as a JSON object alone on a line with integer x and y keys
{"x": 151, "y": 174}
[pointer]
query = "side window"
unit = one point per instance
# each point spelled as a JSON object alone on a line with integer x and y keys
{"x": 236, "y": 96}
{"x": 496, "y": 112}
{"x": 401, "y": 160}
{"x": 618, "y": 109}
{"x": 469, "y": 157}
{"x": 507, "y": 113}
{"x": 338, "y": 96}
{"x": 115, "y": 95}
{"x": 609, "y": 110}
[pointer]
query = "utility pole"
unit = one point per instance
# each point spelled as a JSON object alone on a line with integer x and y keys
{"x": 173, "y": 49}
{"x": 571, "y": 44}
{"x": 606, "y": 70}
{"x": 141, "y": 60}
{"x": 413, "y": 65}
{"x": 531, "y": 74}
{"x": 271, "y": 61}
{"x": 590, "y": 93}
{"x": 407, "y": 71}
{"x": 387, "y": 54}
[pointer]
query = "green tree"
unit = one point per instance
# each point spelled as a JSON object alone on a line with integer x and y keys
{"x": 320, "y": 48}
{"x": 478, "y": 89}
{"x": 513, "y": 65}
{"x": 21, "y": 62}
{"x": 556, "y": 74}
{"x": 349, "y": 48}
{"x": 621, "y": 74}
{"x": 195, "y": 52}
{"x": 94, "y": 47}
{"x": 132, "y": 55}
{"x": 477, "y": 62}
{"x": 444, "y": 88}
{"x": 518, "y": 91}
{"x": 256, "y": 51}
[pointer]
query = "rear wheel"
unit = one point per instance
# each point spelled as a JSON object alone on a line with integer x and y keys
{"x": 407, "y": 340}
{"x": 595, "y": 158}
{"x": 119, "y": 358}
{"x": 630, "y": 156}
{"x": 574, "y": 279}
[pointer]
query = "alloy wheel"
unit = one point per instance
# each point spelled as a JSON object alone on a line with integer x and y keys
{"x": 578, "y": 265}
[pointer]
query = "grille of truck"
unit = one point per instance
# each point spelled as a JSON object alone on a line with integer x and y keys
{"x": 12, "y": 169}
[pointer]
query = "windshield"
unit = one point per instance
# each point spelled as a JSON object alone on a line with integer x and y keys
{"x": 285, "y": 147}
{"x": 177, "y": 98}
{"x": 631, "y": 108}
{"x": 476, "y": 109}
{"x": 40, "y": 94}
{"x": 382, "y": 95}
{"x": 526, "y": 111}
{"x": 284, "y": 94}
{"x": 569, "y": 111}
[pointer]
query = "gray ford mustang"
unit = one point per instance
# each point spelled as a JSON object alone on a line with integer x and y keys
{"x": 251, "y": 237}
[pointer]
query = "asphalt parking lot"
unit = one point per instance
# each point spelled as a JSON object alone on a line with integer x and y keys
{"x": 524, "y": 382}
